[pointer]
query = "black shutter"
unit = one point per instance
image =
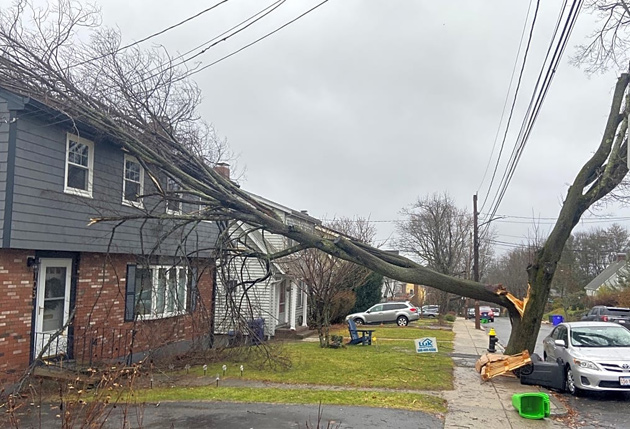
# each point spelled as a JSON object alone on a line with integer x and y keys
{"x": 130, "y": 294}
{"x": 194, "y": 291}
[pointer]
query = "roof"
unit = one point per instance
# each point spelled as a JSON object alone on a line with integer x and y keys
{"x": 610, "y": 270}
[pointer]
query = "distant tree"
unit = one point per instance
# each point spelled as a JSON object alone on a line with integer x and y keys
{"x": 369, "y": 293}
{"x": 438, "y": 233}
{"x": 593, "y": 250}
{"x": 509, "y": 271}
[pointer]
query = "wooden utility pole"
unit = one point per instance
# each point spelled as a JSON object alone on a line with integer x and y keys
{"x": 476, "y": 256}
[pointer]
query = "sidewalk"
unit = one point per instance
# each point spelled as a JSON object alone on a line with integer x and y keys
{"x": 477, "y": 404}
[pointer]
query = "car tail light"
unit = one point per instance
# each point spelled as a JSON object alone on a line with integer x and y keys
{"x": 413, "y": 309}
{"x": 605, "y": 318}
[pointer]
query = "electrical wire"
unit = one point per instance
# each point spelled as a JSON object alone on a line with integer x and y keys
{"x": 538, "y": 96}
{"x": 255, "y": 41}
{"x": 151, "y": 36}
{"x": 507, "y": 97}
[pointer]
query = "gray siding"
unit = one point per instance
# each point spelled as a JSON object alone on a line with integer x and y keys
{"x": 46, "y": 218}
{"x": 4, "y": 144}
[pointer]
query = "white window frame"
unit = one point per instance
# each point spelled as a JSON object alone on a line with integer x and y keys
{"x": 139, "y": 203}
{"x": 168, "y": 190}
{"x": 90, "y": 167}
{"x": 168, "y": 297}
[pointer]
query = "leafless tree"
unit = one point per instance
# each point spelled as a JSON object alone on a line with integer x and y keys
{"x": 439, "y": 234}
{"x": 609, "y": 44}
{"x": 128, "y": 93}
{"x": 327, "y": 279}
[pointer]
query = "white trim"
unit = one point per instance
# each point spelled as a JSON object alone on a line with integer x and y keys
{"x": 41, "y": 336}
{"x": 90, "y": 167}
{"x": 155, "y": 270}
{"x": 181, "y": 204}
{"x": 139, "y": 203}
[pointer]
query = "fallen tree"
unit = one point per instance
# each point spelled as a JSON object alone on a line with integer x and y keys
{"x": 144, "y": 101}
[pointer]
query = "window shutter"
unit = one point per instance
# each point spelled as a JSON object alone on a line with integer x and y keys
{"x": 130, "y": 294}
{"x": 194, "y": 292}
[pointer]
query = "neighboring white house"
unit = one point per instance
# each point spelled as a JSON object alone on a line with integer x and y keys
{"x": 608, "y": 277}
{"x": 279, "y": 300}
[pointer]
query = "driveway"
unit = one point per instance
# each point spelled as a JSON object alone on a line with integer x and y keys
{"x": 219, "y": 415}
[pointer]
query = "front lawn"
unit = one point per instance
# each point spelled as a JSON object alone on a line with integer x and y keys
{"x": 391, "y": 362}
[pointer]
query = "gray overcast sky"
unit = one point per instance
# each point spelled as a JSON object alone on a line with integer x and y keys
{"x": 362, "y": 106}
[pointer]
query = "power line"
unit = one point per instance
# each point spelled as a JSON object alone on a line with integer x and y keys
{"x": 151, "y": 36}
{"x": 562, "y": 11}
{"x": 538, "y": 96}
{"x": 518, "y": 85}
{"x": 257, "y": 40}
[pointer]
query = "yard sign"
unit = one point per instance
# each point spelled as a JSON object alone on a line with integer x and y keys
{"x": 426, "y": 345}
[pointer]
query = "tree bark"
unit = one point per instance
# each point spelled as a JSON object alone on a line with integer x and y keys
{"x": 599, "y": 175}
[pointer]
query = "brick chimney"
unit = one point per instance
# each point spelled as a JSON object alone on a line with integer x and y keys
{"x": 621, "y": 257}
{"x": 223, "y": 168}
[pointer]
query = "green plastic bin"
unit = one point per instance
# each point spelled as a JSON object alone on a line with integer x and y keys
{"x": 532, "y": 405}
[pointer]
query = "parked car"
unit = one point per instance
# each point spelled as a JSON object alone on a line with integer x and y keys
{"x": 430, "y": 311}
{"x": 595, "y": 355}
{"x": 400, "y": 313}
{"x": 603, "y": 313}
{"x": 484, "y": 311}
{"x": 496, "y": 311}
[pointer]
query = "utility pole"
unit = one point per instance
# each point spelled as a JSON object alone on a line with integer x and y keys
{"x": 476, "y": 256}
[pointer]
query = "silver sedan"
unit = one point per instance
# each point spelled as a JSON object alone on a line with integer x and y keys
{"x": 595, "y": 355}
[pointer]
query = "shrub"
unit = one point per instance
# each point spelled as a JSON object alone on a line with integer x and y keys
{"x": 336, "y": 341}
{"x": 450, "y": 317}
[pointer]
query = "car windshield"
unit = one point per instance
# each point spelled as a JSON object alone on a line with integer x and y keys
{"x": 600, "y": 336}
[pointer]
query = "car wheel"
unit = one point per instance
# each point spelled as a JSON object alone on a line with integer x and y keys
{"x": 358, "y": 322}
{"x": 402, "y": 321}
{"x": 570, "y": 383}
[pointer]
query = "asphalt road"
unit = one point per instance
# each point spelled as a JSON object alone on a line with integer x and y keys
{"x": 594, "y": 409}
{"x": 503, "y": 328}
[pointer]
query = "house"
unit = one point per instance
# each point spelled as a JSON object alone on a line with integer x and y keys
{"x": 105, "y": 292}
{"x": 275, "y": 302}
{"x": 609, "y": 277}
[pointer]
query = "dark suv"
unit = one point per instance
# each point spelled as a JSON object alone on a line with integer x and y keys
{"x": 400, "y": 313}
{"x": 603, "y": 313}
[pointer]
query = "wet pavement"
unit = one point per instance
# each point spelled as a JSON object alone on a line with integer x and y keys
{"x": 224, "y": 415}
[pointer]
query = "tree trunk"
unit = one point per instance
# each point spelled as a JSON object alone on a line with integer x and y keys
{"x": 599, "y": 175}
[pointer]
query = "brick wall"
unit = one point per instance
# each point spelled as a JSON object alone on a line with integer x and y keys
{"x": 16, "y": 307}
{"x": 99, "y": 327}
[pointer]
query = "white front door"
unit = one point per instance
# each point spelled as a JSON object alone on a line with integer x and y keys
{"x": 282, "y": 303}
{"x": 52, "y": 306}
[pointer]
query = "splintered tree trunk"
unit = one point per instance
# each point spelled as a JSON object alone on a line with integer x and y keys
{"x": 525, "y": 329}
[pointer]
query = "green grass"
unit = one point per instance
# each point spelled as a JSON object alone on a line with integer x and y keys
{"x": 416, "y": 402}
{"x": 391, "y": 362}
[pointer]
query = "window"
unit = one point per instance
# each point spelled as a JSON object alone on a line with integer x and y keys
{"x": 160, "y": 291}
{"x": 173, "y": 198}
{"x": 133, "y": 182}
{"x": 79, "y": 166}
